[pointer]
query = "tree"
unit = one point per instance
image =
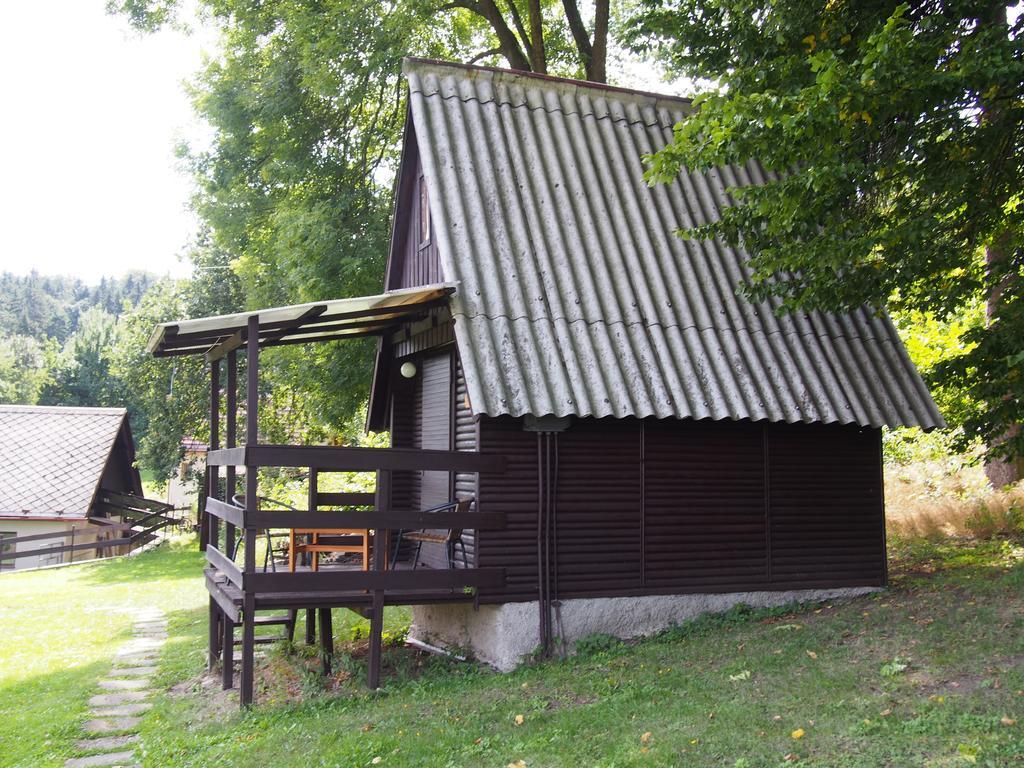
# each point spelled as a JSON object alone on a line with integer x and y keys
{"x": 893, "y": 137}
{"x": 80, "y": 374}
{"x": 24, "y": 368}
{"x": 548, "y": 35}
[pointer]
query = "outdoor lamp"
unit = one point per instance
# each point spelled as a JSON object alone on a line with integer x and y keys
{"x": 408, "y": 369}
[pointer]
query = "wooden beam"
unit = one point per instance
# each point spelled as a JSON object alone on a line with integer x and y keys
{"x": 222, "y": 563}
{"x": 391, "y": 520}
{"x": 230, "y": 344}
{"x": 342, "y": 581}
{"x": 226, "y": 512}
{"x": 290, "y": 326}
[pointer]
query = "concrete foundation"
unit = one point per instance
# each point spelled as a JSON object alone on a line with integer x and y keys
{"x": 504, "y": 635}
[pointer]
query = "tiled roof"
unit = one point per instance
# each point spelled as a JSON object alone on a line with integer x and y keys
{"x": 52, "y": 458}
{"x": 575, "y": 297}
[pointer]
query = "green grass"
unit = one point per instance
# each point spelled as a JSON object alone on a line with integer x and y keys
{"x": 921, "y": 675}
{"x": 60, "y": 630}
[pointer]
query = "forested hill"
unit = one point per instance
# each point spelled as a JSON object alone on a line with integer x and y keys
{"x": 57, "y": 336}
{"x": 50, "y": 306}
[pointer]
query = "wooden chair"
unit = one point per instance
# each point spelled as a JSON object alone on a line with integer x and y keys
{"x": 268, "y": 556}
{"x": 327, "y": 540}
{"x": 450, "y": 537}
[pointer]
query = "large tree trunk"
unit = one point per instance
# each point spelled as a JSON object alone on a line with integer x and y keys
{"x": 999, "y": 472}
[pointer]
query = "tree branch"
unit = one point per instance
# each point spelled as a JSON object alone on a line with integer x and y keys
{"x": 484, "y": 55}
{"x": 537, "y": 57}
{"x": 517, "y": 19}
{"x": 510, "y": 47}
{"x": 579, "y": 32}
{"x": 597, "y": 70}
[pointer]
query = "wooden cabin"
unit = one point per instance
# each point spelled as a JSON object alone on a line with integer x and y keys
{"x": 639, "y": 444}
{"x": 664, "y": 436}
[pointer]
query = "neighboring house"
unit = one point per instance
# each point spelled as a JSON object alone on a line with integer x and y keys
{"x": 55, "y": 462}
{"x": 666, "y": 438}
{"x": 183, "y": 486}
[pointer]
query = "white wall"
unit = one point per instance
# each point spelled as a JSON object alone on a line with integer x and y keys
{"x": 84, "y": 532}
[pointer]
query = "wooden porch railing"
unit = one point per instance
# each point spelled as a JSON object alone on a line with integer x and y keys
{"x": 326, "y": 586}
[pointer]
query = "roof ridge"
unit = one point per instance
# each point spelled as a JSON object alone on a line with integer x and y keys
{"x": 503, "y": 75}
{"x": 78, "y": 409}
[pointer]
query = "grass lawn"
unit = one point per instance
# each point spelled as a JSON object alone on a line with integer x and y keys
{"x": 929, "y": 673}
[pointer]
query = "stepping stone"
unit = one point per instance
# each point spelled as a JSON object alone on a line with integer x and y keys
{"x": 111, "y": 724}
{"x": 136, "y": 659}
{"x": 107, "y": 743}
{"x": 106, "y": 759}
{"x": 133, "y": 671}
{"x": 124, "y": 685}
{"x": 124, "y": 710}
{"x": 122, "y": 697}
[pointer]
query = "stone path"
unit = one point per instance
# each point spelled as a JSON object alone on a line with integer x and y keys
{"x": 111, "y": 734}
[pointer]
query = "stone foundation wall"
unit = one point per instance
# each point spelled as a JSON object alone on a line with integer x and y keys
{"x": 504, "y": 635}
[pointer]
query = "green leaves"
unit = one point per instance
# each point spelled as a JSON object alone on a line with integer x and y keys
{"x": 895, "y": 136}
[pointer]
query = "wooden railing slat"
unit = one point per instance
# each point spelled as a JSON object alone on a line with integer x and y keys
{"x": 341, "y": 581}
{"x": 222, "y": 563}
{"x": 393, "y": 520}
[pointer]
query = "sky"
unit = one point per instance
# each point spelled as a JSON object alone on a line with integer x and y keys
{"x": 89, "y": 185}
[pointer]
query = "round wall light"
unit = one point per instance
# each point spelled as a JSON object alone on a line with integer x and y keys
{"x": 408, "y": 369}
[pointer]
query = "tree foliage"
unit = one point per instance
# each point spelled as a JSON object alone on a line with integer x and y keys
{"x": 892, "y": 137}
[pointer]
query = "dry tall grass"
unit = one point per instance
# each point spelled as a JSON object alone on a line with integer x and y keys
{"x": 937, "y": 500}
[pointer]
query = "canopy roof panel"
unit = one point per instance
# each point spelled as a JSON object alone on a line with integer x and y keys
{"x": 300, "y": 323}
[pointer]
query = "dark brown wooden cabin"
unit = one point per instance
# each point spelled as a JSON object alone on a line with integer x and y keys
{"x": 663, "y": 436}
{"x": 624, "y": 422}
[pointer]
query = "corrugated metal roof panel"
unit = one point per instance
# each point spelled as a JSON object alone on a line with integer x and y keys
{"x": 574, "y": 295}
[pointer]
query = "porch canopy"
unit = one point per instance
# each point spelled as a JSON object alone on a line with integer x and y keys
{"x": 298, "y": 324}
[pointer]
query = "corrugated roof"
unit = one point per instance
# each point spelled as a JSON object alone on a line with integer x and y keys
{"x": 52, "y": 458}
{"x": 574, "y": 296}
{"x": 299, "y": 323}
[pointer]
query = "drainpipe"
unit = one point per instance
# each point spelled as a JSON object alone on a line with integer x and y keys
{"x": 547, "y": 429}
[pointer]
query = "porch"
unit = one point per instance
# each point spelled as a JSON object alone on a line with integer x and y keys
{"x": 245, "y": 593}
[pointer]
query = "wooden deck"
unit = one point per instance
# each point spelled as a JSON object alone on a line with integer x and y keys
{"x": 243, "y": 594}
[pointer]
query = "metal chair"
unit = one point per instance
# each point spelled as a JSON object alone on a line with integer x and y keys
{"x": 239, "y": 501}
{"x": 450, "y": 537}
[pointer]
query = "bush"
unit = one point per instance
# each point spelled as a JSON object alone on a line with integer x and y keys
{"x": 597, "y": 644}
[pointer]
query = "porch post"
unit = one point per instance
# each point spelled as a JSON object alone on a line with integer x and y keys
{"x": 382, "y": 503}
{"x": 230, "y": 488}
{"x": 251, "y": 505}
{"x": 209, "y": 530}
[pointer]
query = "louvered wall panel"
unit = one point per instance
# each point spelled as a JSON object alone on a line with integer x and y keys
{"x": 598, "y": 513}
{"x": 514, "y": 493}
{"x": 435, "y": 396}
{"x": 404, "y": 493}
{"x": 465, "y": 440}
{"x": 704, "y": 485}
{"x": 827, "y": 519}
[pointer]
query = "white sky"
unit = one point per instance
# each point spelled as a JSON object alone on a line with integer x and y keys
{"x": 91, "y": 113}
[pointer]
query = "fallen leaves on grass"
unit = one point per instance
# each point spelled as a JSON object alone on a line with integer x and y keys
{"x": 1006, "y": 720}
{"x": 799, "y": 733}
{"x": 646, "y": 738}
{"x": 519, "y": 719}
{"x": 812, "y": 654}
{"x": 744, "y": 675}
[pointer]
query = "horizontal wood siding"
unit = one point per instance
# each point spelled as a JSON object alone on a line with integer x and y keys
{"x": 465, "y": 440}
{"x": 708, "y": 507}
{"x": 436, "y": 336}
{"x": 704, "y": 493}
{"x": 598, "y": 507}
{"x": 514, "y": 493}
{"x": 825, "y": 490}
